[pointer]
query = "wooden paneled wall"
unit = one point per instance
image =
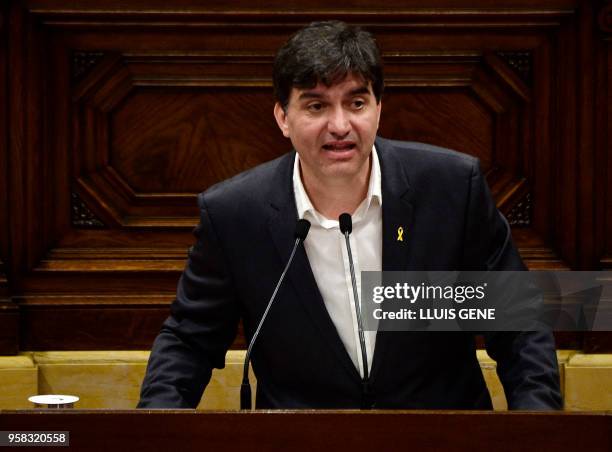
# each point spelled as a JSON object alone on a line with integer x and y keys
{"x": 115, "y": 114}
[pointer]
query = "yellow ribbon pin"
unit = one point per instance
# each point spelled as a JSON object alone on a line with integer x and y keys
{"x": 400, "y": 234}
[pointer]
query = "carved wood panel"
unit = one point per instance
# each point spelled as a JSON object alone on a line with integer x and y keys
{"x": 604, "y": 136}
{"x": 154, "y": 130}
{"x": 142, "y": 104}
{"x": 9, "y": 314}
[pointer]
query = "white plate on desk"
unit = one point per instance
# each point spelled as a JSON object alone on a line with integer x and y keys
{"x": 54, "y": 400}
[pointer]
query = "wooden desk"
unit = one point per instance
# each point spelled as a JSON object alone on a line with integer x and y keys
{"x": 186, "y": 430}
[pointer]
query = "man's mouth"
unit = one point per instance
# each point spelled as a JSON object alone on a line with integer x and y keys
{"x": 339, "y": 146}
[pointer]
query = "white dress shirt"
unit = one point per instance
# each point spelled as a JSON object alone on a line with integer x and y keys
{"x": 326, "y": 250}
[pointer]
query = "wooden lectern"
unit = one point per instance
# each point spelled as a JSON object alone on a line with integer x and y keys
{"x": 187, "y": 430}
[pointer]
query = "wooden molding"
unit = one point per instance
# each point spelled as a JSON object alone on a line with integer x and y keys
{"x": 98, "y": 322}
{"x": 276, "y": 16}
{"x": 606, "y": 263}
{"x": 82, "y": 216}
{"x": 521, "y": 62}
{"x": 83, "y": 62}
{"x": 605, "y": 18}
{"x": 9, "y": 328}
{"x": 543, "y": 258}
{"x": 520, "y": 215}
{"x": 597, "y": 342}
{"x": 114, "y": 260}
{"x": 9, "y": 319}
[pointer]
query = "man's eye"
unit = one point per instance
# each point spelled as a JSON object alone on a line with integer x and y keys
{"x": 358, "y": 104}
{"x": 315, "y": 107}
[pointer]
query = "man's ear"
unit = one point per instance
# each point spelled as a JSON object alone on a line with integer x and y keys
{"x": 281, "y": 119}
{"x": 379, "y": 108}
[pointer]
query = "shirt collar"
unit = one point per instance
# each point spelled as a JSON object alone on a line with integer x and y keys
{"x": 305, "y": 207}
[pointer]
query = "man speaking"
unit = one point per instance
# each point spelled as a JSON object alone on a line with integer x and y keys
{"x": 412, "y": 206}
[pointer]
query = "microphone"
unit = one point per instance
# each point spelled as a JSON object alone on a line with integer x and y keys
{"x": 346, "y": 227}
{"x": 301, "y": 231}
{"x": 346, "y": 223}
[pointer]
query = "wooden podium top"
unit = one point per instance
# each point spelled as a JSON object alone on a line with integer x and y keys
{"x": 307, "y": 430}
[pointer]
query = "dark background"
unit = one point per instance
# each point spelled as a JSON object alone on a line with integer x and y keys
{"x": 114, "y": 114}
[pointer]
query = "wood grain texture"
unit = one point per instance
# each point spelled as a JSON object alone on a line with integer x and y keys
{"x": 182, "y": 142}
{"x": 118, "y": 327}
{"x": 9, "y": 327}
{"x": 604, "y": 136}
{"x": 604, "y": 17}
{"x": 9, "y": 315}
{"x": 4, "y": 185}
{"x": 586, "y": 138}
{"x": 144, "y": 103}
{"x": 308, "y": 430}
{"x": 230, "y": 7}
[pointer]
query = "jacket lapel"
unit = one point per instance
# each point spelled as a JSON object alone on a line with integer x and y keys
{"x": 398, "y": 210}
{"x": 398, "y": 215}
{"x": 281, "y": 224}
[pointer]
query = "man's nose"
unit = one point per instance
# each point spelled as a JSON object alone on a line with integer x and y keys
{"x": 339, "y": 122}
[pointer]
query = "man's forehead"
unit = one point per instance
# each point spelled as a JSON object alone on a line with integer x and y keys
{"x": 348, "y": 86}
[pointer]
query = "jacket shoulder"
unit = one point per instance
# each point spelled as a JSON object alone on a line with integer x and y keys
{"x": 425, "y": 163}
{"x": 250, "y": 186}
{"x": 425, "y": 154}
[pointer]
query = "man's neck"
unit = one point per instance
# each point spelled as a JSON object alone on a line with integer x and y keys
{"x": 332, "y": 198}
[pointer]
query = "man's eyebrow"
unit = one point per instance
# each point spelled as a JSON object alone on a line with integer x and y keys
{"x": 361, "y": 90}
{"x": 315, "y": 95}
{"x": 310, "y": 95}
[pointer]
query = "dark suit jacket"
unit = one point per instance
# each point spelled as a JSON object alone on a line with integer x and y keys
{"x": 244, "y": 239}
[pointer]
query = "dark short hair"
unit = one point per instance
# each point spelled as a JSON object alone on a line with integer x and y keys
{"x": 326, "y": 52}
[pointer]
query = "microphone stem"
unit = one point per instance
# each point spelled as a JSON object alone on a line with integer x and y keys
{"x": 364, "y": 355}
{"x": 245, "y": 370}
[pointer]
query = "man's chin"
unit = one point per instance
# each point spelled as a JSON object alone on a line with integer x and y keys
{"x": 342, "y": 169}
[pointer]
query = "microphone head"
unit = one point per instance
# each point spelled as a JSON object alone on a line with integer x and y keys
{"x": 301, "y": 229}
{"x": 346, "y": 223}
